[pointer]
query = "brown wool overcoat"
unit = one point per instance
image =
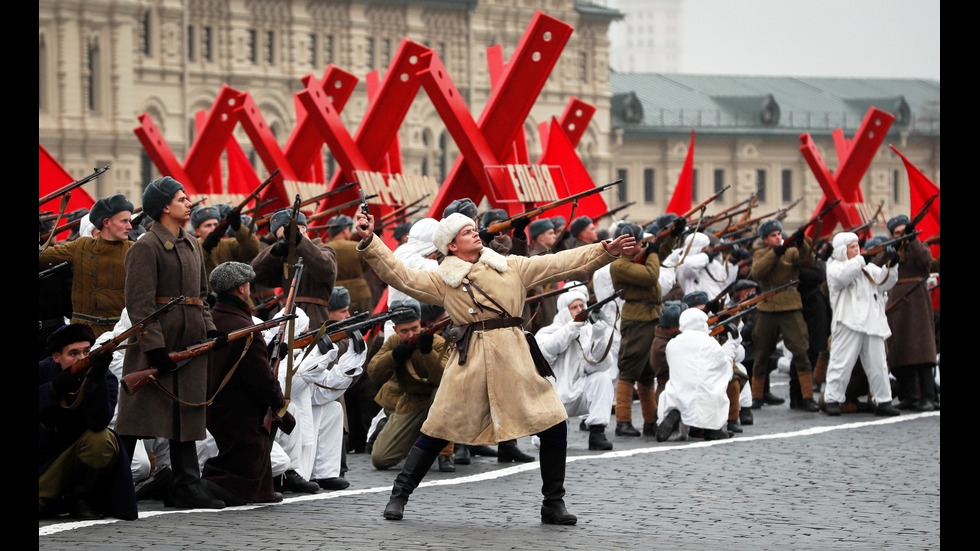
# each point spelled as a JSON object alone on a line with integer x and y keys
{"x": 163, "y": 265}
{"x": 909, "y": 311}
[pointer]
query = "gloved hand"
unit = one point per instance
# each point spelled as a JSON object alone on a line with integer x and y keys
{"x": 357, "y": 341}
{"x": 892, "y": 255}
{"x": 519, "y": 225}
{"x": 780, "y": 250}
{"x": 403, "y": 352}
{"x": 325, "y": 345}
{"x": 211, "y": 241}
{"x": 425, "y": 342}
{"x": 161, "y": 360}
{"x": 98, "y": 365}
{"x": 234, "y": 220}
{"x": 220, "y": 338}
{"x": 487, "y": 236}
{"x": 66, "y": 382}
{"x": 799, "y": 236}
{"x": 287, "y": 423}
{"x": 679, "y": 226}
{"x": 597, "y": 316}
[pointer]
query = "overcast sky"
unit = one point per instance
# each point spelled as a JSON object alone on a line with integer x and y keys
{"x": 835, "y": 38}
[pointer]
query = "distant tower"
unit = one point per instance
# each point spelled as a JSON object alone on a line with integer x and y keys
{"x": 648, "y": 39}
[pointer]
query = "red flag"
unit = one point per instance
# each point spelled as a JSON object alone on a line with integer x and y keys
{"x": 51, "y": 176}
{"x": 681, "y": 201}
{"x": 921, "y": 188}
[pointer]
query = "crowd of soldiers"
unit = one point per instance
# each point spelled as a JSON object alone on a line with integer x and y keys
{"x": 487, "y": 336}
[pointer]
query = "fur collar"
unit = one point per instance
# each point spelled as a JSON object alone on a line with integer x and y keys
{"x": 453, "y": 270}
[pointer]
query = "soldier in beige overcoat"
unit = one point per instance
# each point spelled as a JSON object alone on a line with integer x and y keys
{"x": 497, "y": 394}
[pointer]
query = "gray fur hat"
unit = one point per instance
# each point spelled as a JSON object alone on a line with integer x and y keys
{"x": 281, "y": 218}
{"x": 229, "y": 275}
{"x": 414, "y": 315}
{"x": 875, "y": 241}
{"x": 578, "y": 225}
{"x": 696, "y": 298}
{"x": 432, "y": 312}
{"x": 558, "y": 221}
{"x": 540, "y": 226}
{"x": 107, "y": 207}
{"x": 464, "y": 206}
{"x": 158, "y": 194}
{"x": 201, "y": 214}
{"x": 625, "y": 228}
{"x": 492, "y": 216}
{"x": 768, "y": 227}
{"x": 670, "y": 313}
{"x": 340, "y": 298}
{"x": 896, "y": 221}
{"x": 339, "y": 223}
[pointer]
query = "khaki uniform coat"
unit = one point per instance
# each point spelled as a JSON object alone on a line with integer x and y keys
{"x": 244, "y": 247}
{"x": 99, "y": 277}
{"x": 414, "y": 382}
{"x": 911, "y": 318}
{"x": 497, "y": 395}
{"x": 163, "y": 265}
{"x": 771, "y": 271}
{"x": 350, "y": 270}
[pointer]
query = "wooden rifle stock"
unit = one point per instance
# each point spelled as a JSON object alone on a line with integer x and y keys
{"x": 584, "y": 314}
{"x": 749, "y": 302}
{"x": 791, "y": 241}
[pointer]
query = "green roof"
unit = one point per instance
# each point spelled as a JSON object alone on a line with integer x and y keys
{"x": 731, "y": 104}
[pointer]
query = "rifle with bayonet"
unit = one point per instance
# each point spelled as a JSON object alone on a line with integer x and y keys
{"x": 222, "y": 226}
{"x": 77, "y": 183}
{"x": 135, "y": 381}
{"x": 791, "y": 240}
{"x": 505, "y": 225}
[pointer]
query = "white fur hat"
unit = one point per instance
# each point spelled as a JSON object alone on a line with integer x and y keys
{"x": 448, "y": 228}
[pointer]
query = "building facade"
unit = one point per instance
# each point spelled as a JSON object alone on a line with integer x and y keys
{"x": 101, "y": 63}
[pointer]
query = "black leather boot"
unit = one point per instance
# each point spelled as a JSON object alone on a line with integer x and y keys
{"x": 186, "y": 491}
{"x": 553, "y": 484}
{"x": 597, "y": 438}
{"x": 668, "y": 425}
{"x": 85, "y": 481}
{"x": 626, "y": 429}
{"x": 461, "y": 454}
{"x": 413, "y": 471}
{"x": 508, "y": 452}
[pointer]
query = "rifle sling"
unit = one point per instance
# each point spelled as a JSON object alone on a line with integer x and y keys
{"x": 186, "y": 301}
{"x": 166, "y": 392}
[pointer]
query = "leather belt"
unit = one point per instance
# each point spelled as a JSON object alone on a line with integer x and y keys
{"x": 314, "y": 300}
{"x": 95, "y": 319}
{"x": 460, "y": 334}
{"x": 909, "y": 280}
{"x": 187, "y": 301}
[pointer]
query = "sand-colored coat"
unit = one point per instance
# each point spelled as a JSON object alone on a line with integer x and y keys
{"x": 163, "y": 265}
{"x": 497, "y": 395}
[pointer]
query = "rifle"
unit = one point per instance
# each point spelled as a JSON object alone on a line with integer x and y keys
{"x": 921, "y": 214}
{"x": 505, "y": 225}
{"x": 791, "y": 242}
{"x": 726, "y": 214}
{"x": 860, "y": 228}
{"x": 933, "y": 240}
{"x": 778, "y": 214}
{"x": 584, "y": 314}
{"x": 397, "y": 212}
{"x": 897, "y": 241}
{"x": 264, "y": 221}
{"x": 641, "y": 257}
{"x": 76, "y": 220}
{"x": 292, "y": 229}
{"x": 538, "y": 298}
{"x": 304, "y": 339}
{"x": 222, "y": 226}
{"x": 50, "y": 271}
{"x": 432, "y": 329}
{"x": 77, "y": 183}
{"x": 262, "y": 205}
{"x": 275, "y": 355}
{"x": 135, "y": 381}
{"x": 734, "y": 309}
{"x": 611, "y": 212}
{"x": 267, "y": 304}
{"x": 724, "y": 246}
{"x": 389, "y": 225}
{"x": 717, "y": 328}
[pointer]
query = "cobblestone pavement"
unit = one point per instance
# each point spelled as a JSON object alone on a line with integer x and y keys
{"x": 793, "y": 480}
